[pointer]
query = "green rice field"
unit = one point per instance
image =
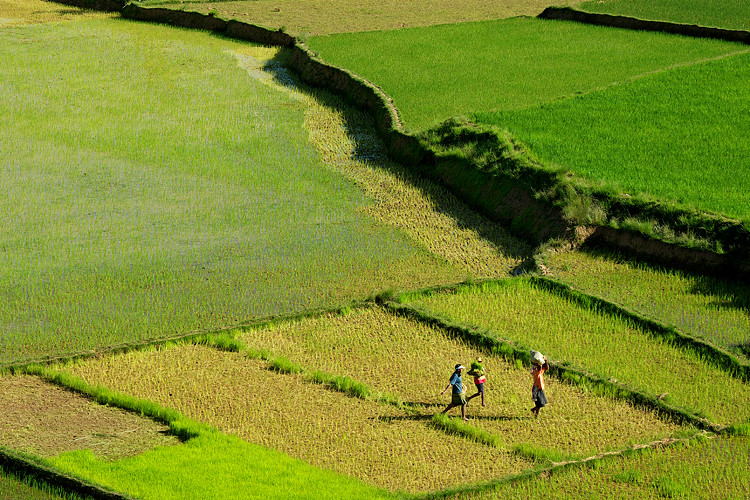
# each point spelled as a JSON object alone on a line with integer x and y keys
{"x": 702, "y": 469}
{"x": 728, "y": 14}
{"x": 503, "y": 65}
{"x": 701, "y": 306}
{"x": 216, "y": 283}
{"x": 680, "y": 135}
{"x": 172, "y": 205}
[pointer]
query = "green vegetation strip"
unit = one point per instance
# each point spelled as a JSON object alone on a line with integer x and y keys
{"x": 48, "y": 482}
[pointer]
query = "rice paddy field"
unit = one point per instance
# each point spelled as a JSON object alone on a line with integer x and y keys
{"x": 728, "y": 14}
{"x": 613, "y": 348}
{"x": 177, "y": 208}
{"x": 679, "y": 138}
{"x": 316, "y": 17}
{"x": 389, "y": 446}
{"x": 705, "y": 307}
{"x": 161, "y": 183}
{"x": 504, "y": 64}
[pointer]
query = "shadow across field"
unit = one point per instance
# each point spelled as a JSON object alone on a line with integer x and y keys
{"x": 370, "y": 152}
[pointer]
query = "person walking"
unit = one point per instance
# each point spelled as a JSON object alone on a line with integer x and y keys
{"x": 458, "y": 396}
{"x": 538, "y": 367}
{"x": 477, "y": 371}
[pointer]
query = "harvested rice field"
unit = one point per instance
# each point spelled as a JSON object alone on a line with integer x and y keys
{"x": 317, "y": 17}
{"x": 376, "y": 443}
{"x": 384, "y": 445}
{"x": 412, "y": 361}
{"x": 46, "y": 420}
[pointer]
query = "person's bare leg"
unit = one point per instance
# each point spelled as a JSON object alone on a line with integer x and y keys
{"x": 463, "y": 412}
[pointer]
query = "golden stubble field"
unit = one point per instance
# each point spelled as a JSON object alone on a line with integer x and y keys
{"x": 319, "y": 17}
{"x": 384, "y": 445}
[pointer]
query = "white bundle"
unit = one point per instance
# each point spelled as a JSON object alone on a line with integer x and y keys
{"x": 537, "y": 358}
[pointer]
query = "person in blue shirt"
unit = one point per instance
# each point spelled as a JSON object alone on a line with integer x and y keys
{"x": 458, "y": 395}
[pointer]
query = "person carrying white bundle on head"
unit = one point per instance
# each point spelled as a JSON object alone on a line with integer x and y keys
{"x": 539, "y": 365}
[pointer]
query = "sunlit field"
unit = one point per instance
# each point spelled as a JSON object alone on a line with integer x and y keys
{"x": 503, "y": 65}
{"x": 709, "y": 308}
{"x": 155, "y": 188}
{"x": 607, "y": 346}
{"x": 316, "y": 17}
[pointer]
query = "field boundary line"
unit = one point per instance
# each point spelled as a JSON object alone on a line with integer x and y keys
{"x": 633, "y": 23}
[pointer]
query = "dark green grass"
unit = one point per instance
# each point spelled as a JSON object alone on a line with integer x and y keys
{"x": 152, "y": 188}
{"x": 728, "y": 14}
{"x": 438, "y": 72}
{"x": 677, "y": 136}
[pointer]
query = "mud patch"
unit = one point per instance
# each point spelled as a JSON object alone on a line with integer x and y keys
{"x": 43, "y": 419}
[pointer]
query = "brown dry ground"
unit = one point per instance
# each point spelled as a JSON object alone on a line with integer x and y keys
{"x": 373, "y": 442}
{"x": 44, "y": 419}
{"x": 321, "y": 17}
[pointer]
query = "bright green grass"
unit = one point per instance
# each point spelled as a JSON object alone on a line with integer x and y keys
{"x": 713, "y": 468}
{"x": 438, "y": 72}
{"x": 215, "y": 466}
{"x": 153, "y": 188}
{"x": 679, "y": 135}
{"x": 613, "y": 348}
{"x": 706, "y": 307}
{"x": 728, "y": 14}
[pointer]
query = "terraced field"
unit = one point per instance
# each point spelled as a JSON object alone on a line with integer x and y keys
{"x": 167, "y": 183}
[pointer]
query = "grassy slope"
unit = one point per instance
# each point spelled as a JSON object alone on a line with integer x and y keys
{"x": 612, "y": 348}
{"x": 154, "y": 188}
{"x": 728, "y": 14}
{"x": 677, "y": 136}
{"x": 502, "y": 65}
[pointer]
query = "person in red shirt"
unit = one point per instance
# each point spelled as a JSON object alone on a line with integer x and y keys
{"x": 537, "y": 389}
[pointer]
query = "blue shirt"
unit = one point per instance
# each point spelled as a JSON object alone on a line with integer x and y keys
{"x": 456, "y": 382}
